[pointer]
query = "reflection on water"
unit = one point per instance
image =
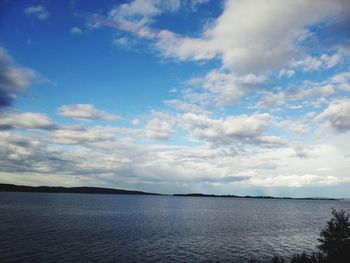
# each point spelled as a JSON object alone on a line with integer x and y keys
{"x": 44, "y": 227}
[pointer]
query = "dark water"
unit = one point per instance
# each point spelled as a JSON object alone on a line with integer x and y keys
{"x": 39, "y": 227}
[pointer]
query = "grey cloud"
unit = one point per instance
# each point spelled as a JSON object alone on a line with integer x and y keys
{"x": 304, "y": 152}
{"x": 158, "y": 129}
{"x": 19, "y": 154}
{"x": 240, "y": 130}
{"x": 80, "y": 135}
{"x": 13, "y": 79}
{"x": 26, "y": 120}
{"x": 228, "y": 87}
{"x": 120, "y": 163}
{"x": 85, "y": 112}
{"x": 306, "y": 91}
{"x": 336, "y": 115}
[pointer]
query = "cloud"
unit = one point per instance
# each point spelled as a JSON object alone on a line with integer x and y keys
{"x": 98, "y": 156}
{"x": 286, "y": 72}
{"x": 39, "y": 11}
{"x": 26, "y": 120}
{"x": 316, "y": 91}
{"x": 304, "y": 152}
{"x": 80, "y": 135}
{"x": 251, "y": 45}
{"x": 271, "y": 100}
{"x": 298, "y": 126}
{"x": 85, "y": 112}
{"x": 306, "y": 91}
{"x": 298, "y": 181}
{"x": 135, "y": 121}
{"x": 141, "y": 12}
{"x": 184, "y": 106}
{"x": 227, "y": 87}
{"x": 240, "y": 130}
{"x": 13, "y": 79}
{"x": 158, "y": 129}
{"x": 313, "y": 93}
{"x": 336, "y": 115}
{"x": 310, "y": 63}
{"x": 341, "y": 80}
{"x": 196, "y": 3}
{"x": 76, "y": 31}
{"x": 122, "y": 41}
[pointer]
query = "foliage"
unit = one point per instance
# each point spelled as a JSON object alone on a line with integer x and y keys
{"x": 304, "y": 258}
{"x": 277, "y": 259}
{"x": 335, "y": 238}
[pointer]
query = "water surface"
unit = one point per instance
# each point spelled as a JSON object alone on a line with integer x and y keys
{"x": 51, "y": 227}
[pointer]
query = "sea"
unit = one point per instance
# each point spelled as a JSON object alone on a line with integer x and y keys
{"x": 61, "y": 227}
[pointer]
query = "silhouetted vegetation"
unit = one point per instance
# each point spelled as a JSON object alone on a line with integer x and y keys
{"x": 304, "y": 258}
{"x": 334, "y": 247}
{"x": 277, "y": 259}
{"x": 335, "y": 238}
{"x": 71, "y": 190}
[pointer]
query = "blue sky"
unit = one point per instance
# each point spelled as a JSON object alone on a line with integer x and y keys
{"x": 224, "y": 97}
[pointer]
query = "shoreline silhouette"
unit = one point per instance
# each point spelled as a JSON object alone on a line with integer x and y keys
{"x": 101, "y": 190}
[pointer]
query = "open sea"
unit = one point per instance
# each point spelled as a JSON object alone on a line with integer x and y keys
{"x": 60, "y": 227}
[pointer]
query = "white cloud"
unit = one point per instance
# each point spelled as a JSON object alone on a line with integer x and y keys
{"x": 270, "y": 100}
{"x": 184, "y": 106}
{"x": 39, "y": 11}
{"x": 310, "y": 63}
{"x": 227, "y": 87}
{"x": 305, "y": 91}
{"x": 309, "y": 92}
{"x": 135, "y": 121}
{"x": 98, "y": 157}
{"x": 80, "y": 135}
{"x": 251, "y": 44}
{"x": 341, "y": 77}
{"x": 122, "y": 41}
{"x": 296, "y": 126}
{"x": 158, "y": 129}
{"x": 195, "y": 3}
{"x": 306, "y": 180}
{"x": 141, "y": 12}
{"x": 240, "y": 130}
{"x": 286, "y": 72}
{"x": 85, "y": 112}
{"x": 337, "y": 115}
{"x": 26, "y": 120}
{"x": 341, "y": 80}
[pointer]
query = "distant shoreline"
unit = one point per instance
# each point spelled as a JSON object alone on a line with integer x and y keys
{"x": 257, "y": 197}
{"x": 72, "y": 190}
{"x": 101, "y": 190}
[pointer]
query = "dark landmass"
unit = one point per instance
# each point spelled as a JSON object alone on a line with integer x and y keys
{"x": 80, "y": 190}
{"x": 256, "y": 197}
{"x": 100, "y": 190}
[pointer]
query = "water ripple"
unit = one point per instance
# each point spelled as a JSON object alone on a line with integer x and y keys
{"x": 103, "y": 228}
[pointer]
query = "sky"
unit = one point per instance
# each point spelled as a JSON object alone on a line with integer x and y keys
{"x": 235, "y": 97}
